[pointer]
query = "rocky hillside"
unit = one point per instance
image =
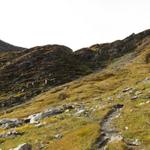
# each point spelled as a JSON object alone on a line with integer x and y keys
{"x": 8, "y": 47}
{"x": 54, "y": 98}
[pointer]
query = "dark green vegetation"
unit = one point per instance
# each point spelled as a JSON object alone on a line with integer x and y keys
{"x": 92, "y": 80}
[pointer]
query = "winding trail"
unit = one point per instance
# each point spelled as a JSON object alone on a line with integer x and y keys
{"x": 108, "y": 132}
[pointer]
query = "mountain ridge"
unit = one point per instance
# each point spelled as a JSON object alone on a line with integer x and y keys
{"x": 39, "y": 68}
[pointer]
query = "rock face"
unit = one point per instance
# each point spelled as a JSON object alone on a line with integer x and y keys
{"x": 24, "y": 146}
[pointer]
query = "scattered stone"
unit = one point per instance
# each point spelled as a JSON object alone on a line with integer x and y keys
{"x": 110, "y": 98}
{"x": 147, "y": 97}
{"x": 11, "y": 134}
{"x": 116, "y": 138}
{"x": 147, "y": 102}
{"x": 127, "y": 89}
{"x": 35, "y": 118}
{"x": 118, "y": 106}
{"x": 134, "y": 97}
{"x": 132, "y": 142}
{"x": 58, "y": 136}
{"x": 39, "y": 125}
{"x": 67, "y": 110}
{"x": 24, "y": 146}
{"x": 126, "y": 128}
{"x": 10, "y": 123}
{"x": 80, "y": 111}
{"x": 147, "y": 79}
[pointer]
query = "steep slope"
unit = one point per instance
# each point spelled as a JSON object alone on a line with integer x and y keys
{"x": 107, "y": 109}
{"x": 35, "y": 70}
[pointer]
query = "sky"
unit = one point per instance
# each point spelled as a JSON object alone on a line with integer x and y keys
{"x": 74, "y": 23}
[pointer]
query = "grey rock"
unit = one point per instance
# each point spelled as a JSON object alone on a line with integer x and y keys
{"x": 134, "y": 97}
{"x": 24, "y": 146}
{"x": 80, "y": 111}
{"x": 58, "y": 136}
{"x": 147, "y": 79}
{"x": 132, "y": 142}
{"x": 127, "y": 89}
{"x": 35, "y": 118}
{"x": 10, "y": 123}
{"x": 147, "y": 97}
{"x": 110, "y": 98}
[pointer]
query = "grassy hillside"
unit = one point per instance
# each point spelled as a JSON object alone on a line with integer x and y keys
{"x": 107, "y": 109}
{"x": 125, "y": 81}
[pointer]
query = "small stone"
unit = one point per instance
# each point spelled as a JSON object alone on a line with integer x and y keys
{"x": 80, "y": 111}
{"x": 132, "y": 142}
{"x": 147, "y": 78}
{"x": 127, "y": 89}
{"x": 134, "y": 97}
{"x": 126, "y": 128}
{"x": 58, "y": 136}
{"x": 67, "y": 110}
{"x": 110, "y": 98}
{"x": 147, "y": 97}
{"x": 39, "y": 125}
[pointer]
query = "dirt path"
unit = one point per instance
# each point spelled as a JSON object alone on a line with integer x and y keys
{"x": 108, "y": 132}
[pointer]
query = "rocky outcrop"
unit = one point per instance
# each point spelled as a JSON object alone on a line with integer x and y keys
{"x": 7, "y": 123}
{"x": 35, "y": 118}
{"x": 10, "y": 123}
{"x": 24, "y": 146}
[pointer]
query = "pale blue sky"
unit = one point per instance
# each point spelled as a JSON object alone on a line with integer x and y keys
{"x": 75, "y": 23}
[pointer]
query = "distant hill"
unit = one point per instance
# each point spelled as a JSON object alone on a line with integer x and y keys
{"x": 7, "y": 47}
